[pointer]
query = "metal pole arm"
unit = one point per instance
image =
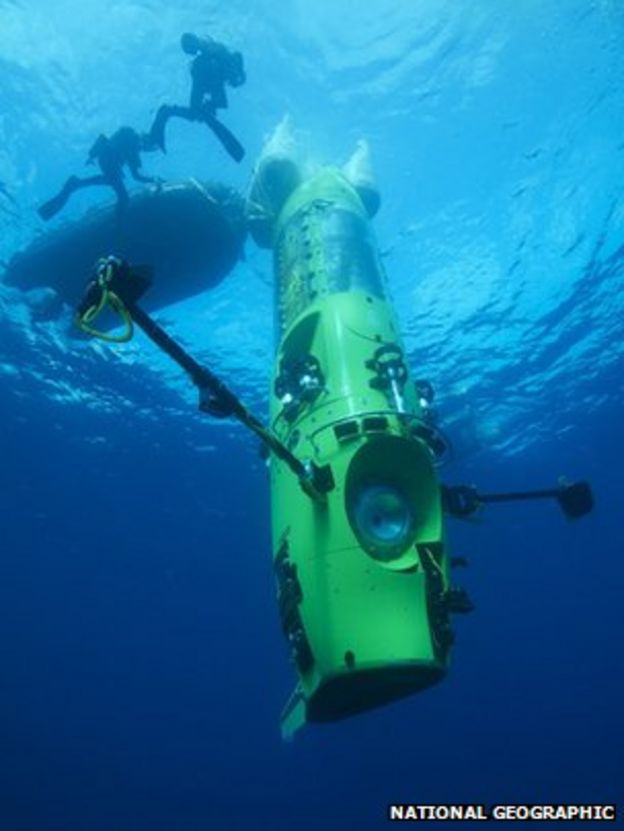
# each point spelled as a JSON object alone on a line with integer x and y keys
{"x": 575, "y": 498}
{"x": 219, "y": 401}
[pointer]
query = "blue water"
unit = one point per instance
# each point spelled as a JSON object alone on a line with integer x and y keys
{"x": 142, "y": 665}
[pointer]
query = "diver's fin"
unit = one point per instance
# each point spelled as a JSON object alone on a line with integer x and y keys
{"x": 156, "y": 135}
{"x": 229, "y": 141}
{"x": 54, "y": 205}
{"x": 293, "y": 716}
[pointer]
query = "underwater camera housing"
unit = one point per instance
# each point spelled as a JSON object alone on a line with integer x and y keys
{"x": 112, "y": 274}
{"x": 110, "y": 298}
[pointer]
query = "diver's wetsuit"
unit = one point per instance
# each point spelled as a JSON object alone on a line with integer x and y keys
{"x": 112, "y": 154}
{"x": 212, "y": 68}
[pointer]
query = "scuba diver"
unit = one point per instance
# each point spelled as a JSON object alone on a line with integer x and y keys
{"x": 123, "y": 148}
{"x": 212, "y": 68}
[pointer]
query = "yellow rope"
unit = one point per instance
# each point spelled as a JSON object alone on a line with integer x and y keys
{"x": 108, "y": 298}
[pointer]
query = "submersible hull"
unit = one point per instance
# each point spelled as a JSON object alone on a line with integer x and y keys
{"x": 361, "y": 575}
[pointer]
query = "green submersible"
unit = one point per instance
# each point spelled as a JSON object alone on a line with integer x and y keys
{"x": 360, "y": 561}
{"x": 362, "y": 575}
